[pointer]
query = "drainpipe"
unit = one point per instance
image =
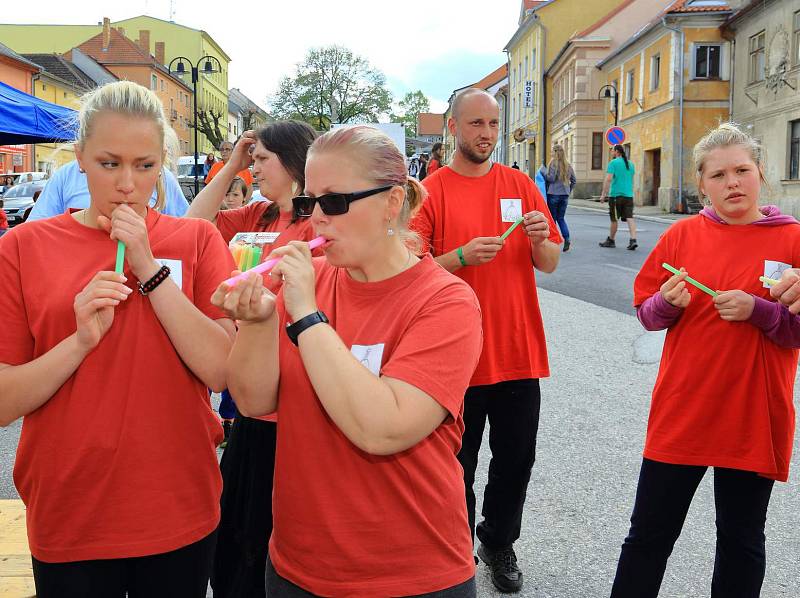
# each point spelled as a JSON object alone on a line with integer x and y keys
{"x": 543, "y": 94}
{"x": 684, "y": 208}
{"x": 504, "y": 153}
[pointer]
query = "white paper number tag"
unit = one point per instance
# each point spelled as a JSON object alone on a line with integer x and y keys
{"x": 261, "y": 238}
{"x": 774, "y": 270}
{"x": 175, "y": 270}
{"x": 371, "y": 356}
{"x": 510, "y": 210}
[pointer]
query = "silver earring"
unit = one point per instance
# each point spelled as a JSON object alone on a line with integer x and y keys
{"x": 81, "y": 170}
{"x": 390, "y": 230}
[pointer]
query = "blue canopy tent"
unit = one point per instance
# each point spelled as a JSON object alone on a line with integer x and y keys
{"x": 27, "y": 119}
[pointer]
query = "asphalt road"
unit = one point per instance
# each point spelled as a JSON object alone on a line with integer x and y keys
{"x": 595, "y": 274}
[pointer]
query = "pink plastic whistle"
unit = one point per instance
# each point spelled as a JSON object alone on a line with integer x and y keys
{"x": 270, "y": 264}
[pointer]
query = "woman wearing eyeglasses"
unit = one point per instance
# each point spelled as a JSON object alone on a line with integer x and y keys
{"x": 365, "y": 355}
{"x": 278, "y": 153}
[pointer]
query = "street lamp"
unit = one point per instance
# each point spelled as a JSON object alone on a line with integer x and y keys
{"x": 210, "y": 66}
{"x": 610, "y": 92}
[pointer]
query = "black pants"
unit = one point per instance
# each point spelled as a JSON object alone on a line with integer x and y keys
{"x": 512, "y": 409}
{"x": 248, "y": 467}
{"x": 181, "y": 573}
{"x": 663, "y": 498}
{"x": 278, "y": 587}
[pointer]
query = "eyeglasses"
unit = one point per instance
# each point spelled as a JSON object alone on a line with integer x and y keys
{"x": 332, "y": 204}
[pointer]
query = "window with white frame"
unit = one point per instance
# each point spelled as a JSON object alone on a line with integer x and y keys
{"x": 153, "y": 82}
{"x": 527, "y": 75}
{"x": 519, "y": 106}
{"x": 707, "y": 61}
{"x": 629, "y": 80}
{"x": 533, "y": 60}
{"x": 796, "y": 38}
{"x": 794, "y": 150}
{"x": 513, "y": 109}
{"x": 655, "y": 71}
{"x": 757, "y": 63}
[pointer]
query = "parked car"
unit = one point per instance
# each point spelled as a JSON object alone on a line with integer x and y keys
{"x": 22, "y": 177}
{"x": 186, "y": 170}
{"x": 19, "y": 199}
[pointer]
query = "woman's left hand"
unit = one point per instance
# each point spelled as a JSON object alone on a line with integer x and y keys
{"x": 734, "y": 306}
{"x": 299, "y": 279}
{"x": 127, "y": 226}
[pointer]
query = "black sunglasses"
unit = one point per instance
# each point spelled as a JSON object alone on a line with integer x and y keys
{"x": 332, "y": 204}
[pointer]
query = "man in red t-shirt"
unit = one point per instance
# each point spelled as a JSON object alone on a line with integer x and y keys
{"x": 471, "y": 203}
{"x": 225, "y": 150}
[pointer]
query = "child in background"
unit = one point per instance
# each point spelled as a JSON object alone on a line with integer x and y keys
{"x": 723, "y": 397}
{"x": 236, "y": 196}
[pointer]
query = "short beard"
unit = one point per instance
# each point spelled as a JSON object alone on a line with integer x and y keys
{"x": 470, "y": 154}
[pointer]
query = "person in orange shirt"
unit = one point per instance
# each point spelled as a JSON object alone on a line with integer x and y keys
{"x": 471, "y": 203}
{"x": 116, "y": 463}
{"x": 279, "y": 157}
{"x": 437, "y": 158}
{"x": 365, "y": 354}
{"x": 225, "y": 151}
{"x": 724, "y": 392}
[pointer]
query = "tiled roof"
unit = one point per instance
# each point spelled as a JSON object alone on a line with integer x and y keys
{"x": 533, "y": 4}
{"x": 494, "y": 77}
{"x": 9, "y": 53}
{"x": 121, "y": 50}
{"x": 698, "y": 6}
{"x": 63, "y": 69}
{"x": 429, "y": 123}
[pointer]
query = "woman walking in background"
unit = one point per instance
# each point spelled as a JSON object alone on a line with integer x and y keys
{"x": 560, "y": 179}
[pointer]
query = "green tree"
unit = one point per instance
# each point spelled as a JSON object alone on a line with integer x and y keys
{"x": 332, "y": 85}
{"x": 410, "y": 106}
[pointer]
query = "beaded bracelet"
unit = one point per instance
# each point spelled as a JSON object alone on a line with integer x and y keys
{"x": 158, "y": 278}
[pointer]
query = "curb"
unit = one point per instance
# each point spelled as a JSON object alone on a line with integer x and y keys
{"x": 635, "y": 216}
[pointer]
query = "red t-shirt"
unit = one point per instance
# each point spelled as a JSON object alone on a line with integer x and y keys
{"x": 242, "y": 174}
{"x": 457, "y": 210}
{"x": 121, "y": 461}
{"x": 351, "y": 524}
{"x": 433, "y": 166}
{"x": 246, "y": 220}
{"x": 3, "y": 219}
{"x": 723, "y": 396}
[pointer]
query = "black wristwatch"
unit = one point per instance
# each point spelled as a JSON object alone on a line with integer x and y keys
{"x": 294, "y": 330}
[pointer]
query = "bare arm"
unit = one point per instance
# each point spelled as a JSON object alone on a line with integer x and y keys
{"x": 253, "y": 369}
{"x": 207, "y": 203}
{"x": 545, "y": 256}
{"x": 381, "y": 416}
{"x": 28, "y": 386}
{"x": 480, "y": 250}
{"x": 606, "y": 187}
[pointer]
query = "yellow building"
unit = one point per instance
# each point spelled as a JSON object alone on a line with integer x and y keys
{"x": 179, "y": 40}
{"x": 60, "y": 82}
{"x": 543, "y": 29}
{"x": 672, "y": 85}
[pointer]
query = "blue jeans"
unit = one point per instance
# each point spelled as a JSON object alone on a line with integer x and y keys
{"x": 558, "y": 209}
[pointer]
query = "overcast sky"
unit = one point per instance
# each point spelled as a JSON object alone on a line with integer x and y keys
{"x": 432, "y": 45}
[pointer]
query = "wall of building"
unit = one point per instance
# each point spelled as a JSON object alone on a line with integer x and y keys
{"x": 766, "y": 111}
{"x": 51, "y": 156}
{"x": 19, "y": 78}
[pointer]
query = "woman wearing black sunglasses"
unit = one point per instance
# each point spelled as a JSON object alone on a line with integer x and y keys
{"x": 366, "y": 356}
{"x": 278, "y": 154}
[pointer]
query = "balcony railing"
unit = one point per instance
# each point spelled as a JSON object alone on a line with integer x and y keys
{"x": 577, "y": 108}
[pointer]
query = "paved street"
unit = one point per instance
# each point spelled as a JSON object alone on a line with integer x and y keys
{"x": 594, "y": 412}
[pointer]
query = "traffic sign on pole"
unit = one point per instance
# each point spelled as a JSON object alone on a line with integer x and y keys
{"x": 615, "y": 136}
